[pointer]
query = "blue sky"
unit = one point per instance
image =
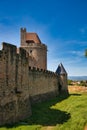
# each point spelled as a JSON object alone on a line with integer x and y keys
{"x": 61, "y": 24}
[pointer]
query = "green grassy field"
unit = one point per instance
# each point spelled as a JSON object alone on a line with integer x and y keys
{"x": 61, "y": 113}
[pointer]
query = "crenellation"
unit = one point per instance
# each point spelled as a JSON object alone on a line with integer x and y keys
{"x": 9, "y": 47}
{"x": 29, "y": 67}
{"x": 33, "y": 45}
{"x": 34, "y": 69}
{"x": 13, "y": 76}
{"x": 38, "y": 69}
{"x": 41, "y": 70}
{"x": 24, "y": 78}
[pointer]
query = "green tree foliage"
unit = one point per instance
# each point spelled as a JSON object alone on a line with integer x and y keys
{"x": 86, "y": 53}
{"x": 70, "y": 82}
{"x": 83, "y": 83}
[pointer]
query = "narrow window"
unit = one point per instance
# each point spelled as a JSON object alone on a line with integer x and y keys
{"x": 30, "y": 51}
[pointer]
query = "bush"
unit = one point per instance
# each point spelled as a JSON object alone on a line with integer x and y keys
{"x": 83, "y": 83}
{"x": 70, "y": 82}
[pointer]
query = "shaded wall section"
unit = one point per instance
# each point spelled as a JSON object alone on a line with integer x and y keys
{"x": 14, "y": 97}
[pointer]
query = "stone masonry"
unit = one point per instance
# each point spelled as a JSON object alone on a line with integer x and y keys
{"x": 21, "y": 84}
{"x": 36, "y": 49}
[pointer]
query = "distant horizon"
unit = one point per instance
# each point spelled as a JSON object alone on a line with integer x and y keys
{"x": 77, "y": 78}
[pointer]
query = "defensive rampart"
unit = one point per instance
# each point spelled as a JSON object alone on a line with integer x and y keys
{"x": 21, "y": 85}
{"x": 14, "y": 83}
{"x": 42, "y": 85}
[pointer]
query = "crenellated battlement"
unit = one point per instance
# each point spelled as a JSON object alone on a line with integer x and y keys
{"x": 25, "y": 80}
{"x": 36, "y": 49}
{"x": 12, "y": 49}
{"x": 43, "y": 71}
{"x": 36, "y": 45}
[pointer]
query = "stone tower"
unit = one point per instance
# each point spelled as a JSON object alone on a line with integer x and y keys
{"x": 36, "y": 50}
{"x": 62, "y": 78}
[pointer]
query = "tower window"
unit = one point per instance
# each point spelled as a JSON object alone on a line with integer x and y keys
{"x": 29, "y": 41}
{"x": 30, "y": 51}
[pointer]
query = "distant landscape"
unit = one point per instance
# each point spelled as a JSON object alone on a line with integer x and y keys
{"x": 77, "y": 78}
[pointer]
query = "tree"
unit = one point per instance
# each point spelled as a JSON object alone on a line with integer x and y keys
{"x": 70, "y": 82}
{"x": 86, "y": 53}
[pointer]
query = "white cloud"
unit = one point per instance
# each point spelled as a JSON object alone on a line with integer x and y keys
{"x": 77, "y": 53}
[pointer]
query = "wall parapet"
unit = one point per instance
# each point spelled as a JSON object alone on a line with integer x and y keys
{"x": 7, "y": 47}
{"x": 42, "y": 70}
{"x": 36, "y": 45}
{"x": 13, "y": 84}
{"x": 21, "y": 84}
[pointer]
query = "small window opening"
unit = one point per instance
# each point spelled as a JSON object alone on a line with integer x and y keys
{"x": 30, "y": 41}
{"x": 30, "y": 51}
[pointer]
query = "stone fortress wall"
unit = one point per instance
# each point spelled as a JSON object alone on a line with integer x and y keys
{"x": 14, "y": 83}
{"x": 21, "y": 85}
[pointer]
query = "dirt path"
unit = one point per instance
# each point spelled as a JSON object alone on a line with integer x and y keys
{"x": 85, "y": 127}
{"x": 48, "y": 128}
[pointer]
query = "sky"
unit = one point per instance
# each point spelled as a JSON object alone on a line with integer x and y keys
{"x": 60, "y": 24}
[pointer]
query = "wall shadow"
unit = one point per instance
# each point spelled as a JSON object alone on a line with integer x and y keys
{"x": 49, "y": 117}
{"x": 75, "y": 94}
{"x": 43, "y": 114}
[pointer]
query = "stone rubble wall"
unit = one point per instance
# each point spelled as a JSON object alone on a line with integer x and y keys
{"x": 43, "y": 84}
{"x": 21, "y": 85}
{"x": 14, "y": 94}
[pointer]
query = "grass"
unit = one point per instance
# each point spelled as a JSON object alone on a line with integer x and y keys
{"x": 62, "y": 113}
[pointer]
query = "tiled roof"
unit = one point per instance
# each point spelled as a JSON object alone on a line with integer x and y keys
{"x": 61, "y": 69}
{"x": 32, "y": 37}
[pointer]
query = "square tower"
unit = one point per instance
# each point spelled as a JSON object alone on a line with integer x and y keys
{"x": 36, "y": 49}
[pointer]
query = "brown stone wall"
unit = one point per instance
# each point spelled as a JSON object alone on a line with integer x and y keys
{"x": 7, "y": 83}
{"x": 38, "y": 53}
{"x": 14, "y": 97}
{"x": 21, "y": 85}
{"x": 42, "y": 85}
{"x": 23, "y": 36}
{"x": 35, "y": 49}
